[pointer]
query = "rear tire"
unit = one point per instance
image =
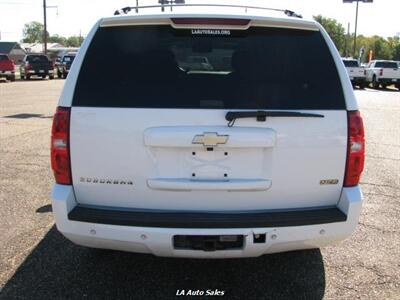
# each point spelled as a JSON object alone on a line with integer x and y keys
{"x": 12, "y": 78}
{"x": 51, "y": 77}
{"x": 384, "y": 86}
{"x": 375, "y": 84}
{"x": 362, "y": 85}
{"x": 59, "y": 74}
{"x": 28, "y": 77}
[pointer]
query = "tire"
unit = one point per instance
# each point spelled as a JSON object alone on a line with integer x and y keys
{"x": 384, "y": 86}
{"x": 362, "y": 85}
{"x": 28, "y": 77}
{"x": 12, "y": 78}
{"x": 375, "y": 84}
{"x": 51, "y": 77}
{"x": 22, "y": 77}
{"x": 59, "y": 74}
{"x": 65, "y": 75}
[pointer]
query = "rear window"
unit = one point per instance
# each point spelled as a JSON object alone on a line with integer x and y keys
{"x": 162, "y": 67}
{"x": 3, "y": 57}
{"x": 37, "y": 58}
{"x": 68, "y": 59}
{"x": 386, "y": 65}
{"x": 351, "y": 63}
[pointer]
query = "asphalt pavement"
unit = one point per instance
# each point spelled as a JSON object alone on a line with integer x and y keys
{"x": 36, "y": 262}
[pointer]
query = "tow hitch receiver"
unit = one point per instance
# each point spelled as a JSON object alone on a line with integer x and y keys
{"x": 208, "y": 242}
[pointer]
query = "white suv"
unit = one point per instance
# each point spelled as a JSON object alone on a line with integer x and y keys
{"x": 260, "y": 154}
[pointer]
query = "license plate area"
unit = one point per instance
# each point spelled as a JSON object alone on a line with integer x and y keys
{"x": 208, "y": 243}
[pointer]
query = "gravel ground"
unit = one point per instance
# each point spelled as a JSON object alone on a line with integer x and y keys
{"x": 36, "y": 262}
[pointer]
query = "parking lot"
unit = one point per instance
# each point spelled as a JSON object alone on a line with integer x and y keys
{"x": 36, "y": 262}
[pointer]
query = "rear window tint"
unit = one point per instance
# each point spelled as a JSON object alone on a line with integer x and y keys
{"x": 351, "y": 63}
{"x": 162, "y": 67}
{"x": 386, "y": 64}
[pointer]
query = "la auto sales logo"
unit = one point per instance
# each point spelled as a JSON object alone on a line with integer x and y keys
{"x": 215, "y": 292}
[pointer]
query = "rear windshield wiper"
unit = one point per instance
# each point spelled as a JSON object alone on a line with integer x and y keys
{"x": 261, "y": 115}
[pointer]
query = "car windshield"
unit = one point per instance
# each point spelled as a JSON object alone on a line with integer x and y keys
{"x": 257, "y": 68}
{"x": 386, "y": 65}
{"x": 37, "y": 58}
{"x": 351, "y": 63}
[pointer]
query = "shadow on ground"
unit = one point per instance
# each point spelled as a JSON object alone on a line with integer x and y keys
{"x": 57, "y": 269}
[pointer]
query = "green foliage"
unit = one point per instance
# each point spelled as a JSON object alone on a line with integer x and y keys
{"x": 383, "y": 48}
{"x": 74, "y": 41}
{"x": 57, "y": 39}
{"x": 335, "y": 30}
{"x": 33, "y": 32}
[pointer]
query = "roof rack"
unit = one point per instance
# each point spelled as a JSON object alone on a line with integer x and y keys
{"x": 181, "y": 3}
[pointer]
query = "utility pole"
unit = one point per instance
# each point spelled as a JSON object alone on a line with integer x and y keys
{"x": 347, "y": 41}
{"x": 45, "y": 28}
{"x": 355, "y": 31}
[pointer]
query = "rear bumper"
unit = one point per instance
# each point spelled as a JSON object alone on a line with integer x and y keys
{"x": 8, "y": 72}
{"x": 356, "y": 80}
{"x": 154, "y": 234}
{"x": 168, "y": 219}
{"x": 388, "y": 81}
{"x": 39, "y": 73}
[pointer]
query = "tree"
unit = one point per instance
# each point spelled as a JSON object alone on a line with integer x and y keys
{"x": 33, "y": 32}
{"x": 335, "y": 30}
{"x": 394, "y": 43}
{"x": 74, "y": 41}
{"x": 57, "y": 39}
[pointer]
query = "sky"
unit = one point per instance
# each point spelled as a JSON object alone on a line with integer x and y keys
{"x": 74, "y": 17}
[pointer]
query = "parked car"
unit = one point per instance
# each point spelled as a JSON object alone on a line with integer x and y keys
{"x": 381, "y": 73}
{"x": 64, "y": 65}
{"x": 36, "y": 65}
{"x": 7, "y": 67}
{"x": 356, "y": 72}
{"x": 260, "y": 155}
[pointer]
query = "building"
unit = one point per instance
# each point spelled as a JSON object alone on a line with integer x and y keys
{"x": 53, "y": 49}
{"x": 13, "y": 50}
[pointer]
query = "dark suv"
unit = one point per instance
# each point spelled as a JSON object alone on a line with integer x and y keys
{"x": 64, "y": 65}
{"x": 36, "y": 65}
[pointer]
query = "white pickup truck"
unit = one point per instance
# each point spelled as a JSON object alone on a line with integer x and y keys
{"x": 261, "y": 154}
{"x": 383, "y": 73}
{"x": 356, "y": 73}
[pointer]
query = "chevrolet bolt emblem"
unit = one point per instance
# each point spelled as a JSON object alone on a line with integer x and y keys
{"x": 210, "y": 139}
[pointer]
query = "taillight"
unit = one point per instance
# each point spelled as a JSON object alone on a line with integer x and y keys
{"x": 60, "y": 158}
{"x": 381, "y": 72}
{"x": 355, "y": 149}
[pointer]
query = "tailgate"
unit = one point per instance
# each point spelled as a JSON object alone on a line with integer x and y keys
{"x": 391, "y": 73}
{"x": 128, "y": 158}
